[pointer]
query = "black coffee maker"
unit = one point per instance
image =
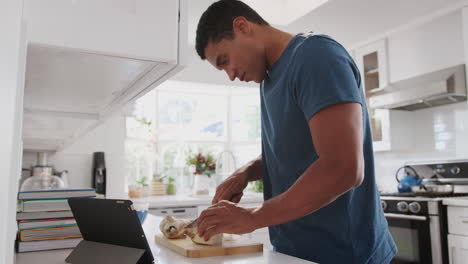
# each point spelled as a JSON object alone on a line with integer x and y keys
{"x": 99, "y": 173}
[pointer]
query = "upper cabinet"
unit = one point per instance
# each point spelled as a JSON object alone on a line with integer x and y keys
{"x": 373, "y": 65}
{"x": 144, "y": 29}
{"x": 87, "y": 59}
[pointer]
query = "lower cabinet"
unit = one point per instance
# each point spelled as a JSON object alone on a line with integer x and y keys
{"x": 458, "y": 249}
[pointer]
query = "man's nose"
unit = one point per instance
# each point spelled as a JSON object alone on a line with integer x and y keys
{"x": 231, "y": 74}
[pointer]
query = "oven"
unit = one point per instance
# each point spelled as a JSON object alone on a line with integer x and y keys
{"x": 419, "y": 229}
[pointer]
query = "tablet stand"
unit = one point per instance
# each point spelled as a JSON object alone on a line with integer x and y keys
{"x": 89, "y": 252}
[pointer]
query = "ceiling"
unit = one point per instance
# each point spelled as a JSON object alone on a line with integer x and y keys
{"x": 349, "y": 20}
{"x": 354, "y": 21}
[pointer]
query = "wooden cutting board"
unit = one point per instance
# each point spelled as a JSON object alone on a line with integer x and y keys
{"x": 187, "y": 248}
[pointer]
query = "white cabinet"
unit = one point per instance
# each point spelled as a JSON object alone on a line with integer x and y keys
{"x": 89, "y": 58}
{"x": 458, "y": 249}
{"x": 457, "y": 219}
{"x": 146, "y": 29}
{"x": 179, "y": 212}
{"x": 373, "y": 66}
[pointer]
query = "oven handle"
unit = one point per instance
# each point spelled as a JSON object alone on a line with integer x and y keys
{"x": 408, "y": 217}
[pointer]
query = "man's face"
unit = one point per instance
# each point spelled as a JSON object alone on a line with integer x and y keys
{"x": 242, "y": 57}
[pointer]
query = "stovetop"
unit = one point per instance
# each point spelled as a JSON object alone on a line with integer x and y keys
{"x": 426, "y": 195}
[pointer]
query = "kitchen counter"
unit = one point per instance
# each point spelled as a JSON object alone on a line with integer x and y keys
{"x": 456, "y": 201}
{"x": 165, "y": 256}
{"x": 192, "y": 200}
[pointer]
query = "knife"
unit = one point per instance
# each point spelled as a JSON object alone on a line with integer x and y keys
{"x": 194, "y": 222}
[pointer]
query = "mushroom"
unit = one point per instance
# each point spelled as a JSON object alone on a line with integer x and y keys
{"x": 192, "y": 232}
{"x": 172, "y": 227}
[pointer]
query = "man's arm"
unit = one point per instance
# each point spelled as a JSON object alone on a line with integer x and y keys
{"x": 232, "y": 188}
{"x": 338, "y": 139}
{"x": 255, "y": 169}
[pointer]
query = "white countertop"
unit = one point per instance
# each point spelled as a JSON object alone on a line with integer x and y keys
{"x": 192, "y": 200}
{"x": 166, "y": 256}
{"x": 456, "y": 201}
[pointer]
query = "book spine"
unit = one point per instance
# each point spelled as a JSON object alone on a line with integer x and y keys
{"x": 42, "y": 227}
{"x": 48, "y": 238}
{"x": 55, "y": 198}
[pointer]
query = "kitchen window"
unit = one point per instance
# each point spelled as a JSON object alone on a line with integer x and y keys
{"x": 182, "y": 117}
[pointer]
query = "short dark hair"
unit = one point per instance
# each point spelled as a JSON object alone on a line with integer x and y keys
{"x": 216, "y": 22}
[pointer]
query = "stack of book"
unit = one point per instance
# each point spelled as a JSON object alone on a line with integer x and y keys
{"x": 45, "y": 220}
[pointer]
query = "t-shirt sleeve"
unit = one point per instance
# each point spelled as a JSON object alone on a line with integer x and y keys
{"x": 325, "y": 75}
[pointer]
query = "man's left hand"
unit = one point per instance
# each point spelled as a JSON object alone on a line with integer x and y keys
{"x": 225, "y": 217}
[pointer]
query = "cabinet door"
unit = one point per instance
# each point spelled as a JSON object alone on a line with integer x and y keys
{"x": 372, "y": 63}
{"x": 458, "y": 249}
{"x": 146, "y": 29}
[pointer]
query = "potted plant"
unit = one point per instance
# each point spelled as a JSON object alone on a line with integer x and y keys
{"x": 203, "y": 166}
{"x": 170, "y": 186}
{"x": 258, "y": 186}
{"x": 145, "y": 187}
{"x": 135, "y": 190}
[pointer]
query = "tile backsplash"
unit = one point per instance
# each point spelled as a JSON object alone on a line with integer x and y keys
{"x": 437, "y": 133}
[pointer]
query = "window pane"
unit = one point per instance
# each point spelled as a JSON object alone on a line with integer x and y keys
{"x": 141, "y": 123}
{"x": 246, "y": 153}
{"x": 191, "y": 116}
{"x": 246, "y": 117}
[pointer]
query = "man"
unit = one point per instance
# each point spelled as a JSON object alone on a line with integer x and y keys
{"x": 321, "y": 200}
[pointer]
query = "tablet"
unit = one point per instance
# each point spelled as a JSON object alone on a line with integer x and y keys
{"x": 112, "y": 222}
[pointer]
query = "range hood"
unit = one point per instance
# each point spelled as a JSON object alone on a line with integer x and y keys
{"x": 437, "y": 88}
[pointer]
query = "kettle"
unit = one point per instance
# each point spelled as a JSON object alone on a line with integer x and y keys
{"x": 409, "y": 180}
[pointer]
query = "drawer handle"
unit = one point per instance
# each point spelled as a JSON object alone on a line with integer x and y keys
{"x": 465, "y": 221}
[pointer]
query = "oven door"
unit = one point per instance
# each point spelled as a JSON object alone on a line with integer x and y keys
{"x": 412, "y": 235}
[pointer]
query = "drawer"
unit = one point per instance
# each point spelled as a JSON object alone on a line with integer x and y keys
{"x": 179, "y": 212}
{"x": 457, "y": 220}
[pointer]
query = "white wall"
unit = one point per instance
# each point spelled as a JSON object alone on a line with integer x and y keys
{"x": 77, "y": 158}
{"x": 438, "y": 133}
{"x": 11, "y": 86}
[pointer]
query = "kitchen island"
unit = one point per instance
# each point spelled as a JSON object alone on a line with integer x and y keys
{"x": 166, "y": 256}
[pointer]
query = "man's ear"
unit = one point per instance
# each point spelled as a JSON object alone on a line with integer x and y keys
{"x": 240, "y": 25}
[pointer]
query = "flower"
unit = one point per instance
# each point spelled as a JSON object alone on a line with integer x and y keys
{"x": 202, "y": 164}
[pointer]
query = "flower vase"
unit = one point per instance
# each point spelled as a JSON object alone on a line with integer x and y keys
{"x": 201, "y": 184}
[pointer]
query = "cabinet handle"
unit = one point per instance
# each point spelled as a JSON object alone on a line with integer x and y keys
{"x": 465, "y": 221}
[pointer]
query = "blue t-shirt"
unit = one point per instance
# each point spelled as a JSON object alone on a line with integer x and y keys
{"x": 315, "y": 72}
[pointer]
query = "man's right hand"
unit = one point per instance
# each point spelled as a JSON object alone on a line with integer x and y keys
{"x": 232, "y": 188}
